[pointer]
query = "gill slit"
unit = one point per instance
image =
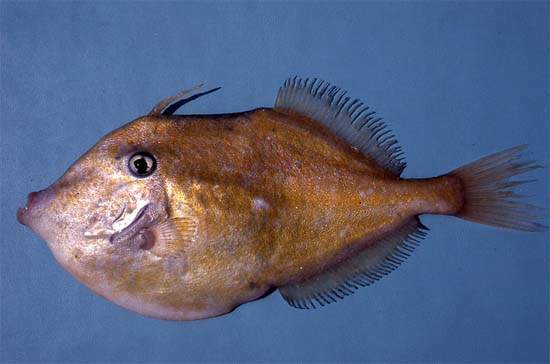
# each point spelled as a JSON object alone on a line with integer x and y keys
{"x": 119, "y": 216}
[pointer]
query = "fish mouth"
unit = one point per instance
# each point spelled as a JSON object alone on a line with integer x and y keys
{"x": 22, "y": 215}
{"x": 135, "y": 230}
{"x": 27, "y": 213}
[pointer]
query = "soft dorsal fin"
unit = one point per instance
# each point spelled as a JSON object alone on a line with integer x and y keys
{"x": 350, "y": 119}
{"x": 361, "y": 270}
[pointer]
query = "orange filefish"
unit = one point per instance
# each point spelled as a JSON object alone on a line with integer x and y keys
{"x": 186, "y": 217}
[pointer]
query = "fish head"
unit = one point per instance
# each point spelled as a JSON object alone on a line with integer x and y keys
{"x": 100, "y": 195}
{"x": 101, "y": 221}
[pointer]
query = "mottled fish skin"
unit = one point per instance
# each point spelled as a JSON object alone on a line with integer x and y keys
{"x": 239, "y": 204}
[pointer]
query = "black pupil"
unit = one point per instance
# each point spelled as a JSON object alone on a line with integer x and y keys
{"x": 141, "y": 165}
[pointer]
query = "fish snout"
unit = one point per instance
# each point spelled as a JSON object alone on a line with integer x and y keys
{"x": 34, "y": 201}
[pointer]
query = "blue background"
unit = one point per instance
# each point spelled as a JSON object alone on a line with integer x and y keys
{"x": 456, "y": 81}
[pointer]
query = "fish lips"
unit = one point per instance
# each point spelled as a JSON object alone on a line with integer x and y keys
{"x": 32, "y": 209}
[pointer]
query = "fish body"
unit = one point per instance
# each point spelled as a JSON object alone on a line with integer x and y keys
{"x": 188, "y": 216}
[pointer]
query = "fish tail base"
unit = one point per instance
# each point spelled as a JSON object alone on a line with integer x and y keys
{"x": 489, "y": 196}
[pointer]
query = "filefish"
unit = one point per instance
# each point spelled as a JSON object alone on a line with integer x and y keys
{"x": 185, "y": 217}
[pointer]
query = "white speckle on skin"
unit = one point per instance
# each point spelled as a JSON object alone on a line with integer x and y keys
{"x": 362, "y": 194}
{"x": 259, "y": 204}
{"x": 343, "y": 232}
{"x": 323, "y": 220}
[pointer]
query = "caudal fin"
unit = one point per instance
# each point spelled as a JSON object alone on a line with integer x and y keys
{"x": 488, "y": 194}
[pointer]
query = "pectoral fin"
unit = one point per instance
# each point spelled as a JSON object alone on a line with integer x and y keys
{"x": 172, "y": 236}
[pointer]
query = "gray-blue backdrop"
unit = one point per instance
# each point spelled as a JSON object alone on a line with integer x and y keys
{"x": 456, "y": 81}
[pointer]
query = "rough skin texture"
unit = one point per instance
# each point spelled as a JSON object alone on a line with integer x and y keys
{"x": 252, "y": 200}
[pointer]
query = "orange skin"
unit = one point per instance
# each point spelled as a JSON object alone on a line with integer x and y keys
{"x": 274, "y": 198}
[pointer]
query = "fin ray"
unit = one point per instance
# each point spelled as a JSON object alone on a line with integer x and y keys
{"x": 489, "y": 197}
{"x": 172, "y": 236}
{"x": 361, "y": 270}
{"x": 349, "y": 118}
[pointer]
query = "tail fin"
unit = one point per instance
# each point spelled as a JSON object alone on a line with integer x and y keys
{"x": 488, "y": 195}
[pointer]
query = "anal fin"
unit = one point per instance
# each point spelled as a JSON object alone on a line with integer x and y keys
{"x": 363, "y": 269}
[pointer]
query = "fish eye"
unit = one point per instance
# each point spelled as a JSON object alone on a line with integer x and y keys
{"x": 142, "y": 164}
